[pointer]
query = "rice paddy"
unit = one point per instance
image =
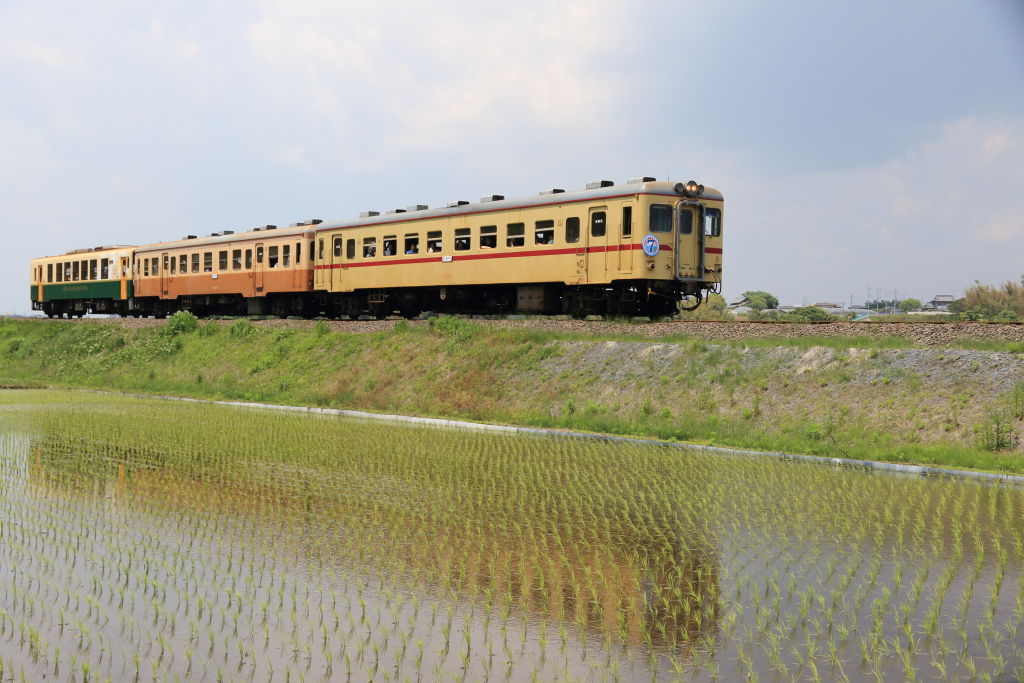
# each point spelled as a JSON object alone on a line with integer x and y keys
{"x": 151, "y": 540}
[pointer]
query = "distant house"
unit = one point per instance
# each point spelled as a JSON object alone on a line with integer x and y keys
{"x": 941, "y": 302}
{"x": 742, "y": 301}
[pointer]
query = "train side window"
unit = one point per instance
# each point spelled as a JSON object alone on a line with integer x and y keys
{"x": 104, "y": 268}
{"x": 248, "y": 259}
{"x": 685, "y": 222}
{"x": 156, "y": 265}
{"x": 544, "y": 232}
{"x": 369, "y": 247}
{"x": 488, "y": 236}
{"x": 337, "y": 247}
{"x": 236, "y": 259}
{"x": 712, "y": 222}
{"x": 259, "y": 253}
{"x": 286, "y": 256}
{"x": 174, "y": 264}
{"x": 434, "y": 241}
{"x": 49, "y": 272}
{"x": 462, "y": 239}
{"x": 516, "y": 234}
{"x": 390, "y": 245}
{"x": 627, "y": 221}
{"x": 350, "y": 249}
{"x": 183, "y": 268}
{"x": 298, "y": 251}
{"x": 272, "y": 256}
{"x": 74, "y": 271}
{"x": 208, "y": 262}
{"x": 312, "y": 257}
{"x": 195, "y": 262}
{"x": 598, "y": 224}
{"x": 572, "y": 230}
{"x": 60, "y": 272}
{"x": 412, "y": 243}
{"x": 320, "y": 257}
{"x": 661, "y": 218}
{"x": 222, "y": 260}
{"x": 145, "y": 267}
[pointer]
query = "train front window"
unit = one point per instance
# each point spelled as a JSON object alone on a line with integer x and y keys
{"x": 685, "y": 222}
{"x": 661, "y": 218}
{"x": 712, "y": 222}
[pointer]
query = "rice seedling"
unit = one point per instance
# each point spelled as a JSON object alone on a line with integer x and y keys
{"x": 225, "y": 543}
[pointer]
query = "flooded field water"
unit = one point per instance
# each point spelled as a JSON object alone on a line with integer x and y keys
{"x": 155, "y": 540}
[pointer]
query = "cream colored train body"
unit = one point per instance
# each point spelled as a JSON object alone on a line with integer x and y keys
{"x": 644, "y": 248}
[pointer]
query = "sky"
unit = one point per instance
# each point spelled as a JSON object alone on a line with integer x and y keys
{"x": 864, "y": 149}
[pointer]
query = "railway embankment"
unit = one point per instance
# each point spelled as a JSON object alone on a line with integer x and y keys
{"x": 949, "y": 395}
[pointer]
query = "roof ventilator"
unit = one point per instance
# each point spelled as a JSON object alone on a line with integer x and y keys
{"x": 553, "y": 190}
{"x": 492, "y": 197}
{"x": 417, "y": 207}
{"x": 644, "y": 179}
{"x": 460, "y": 202}
{"x": 368, "y": 214}
{"x": 599, "y": 183}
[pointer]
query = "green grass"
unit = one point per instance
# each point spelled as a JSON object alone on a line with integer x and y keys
{"x": 709, "y": 393}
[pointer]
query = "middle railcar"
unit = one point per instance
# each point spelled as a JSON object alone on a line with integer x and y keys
{"x": 265, "y": 271}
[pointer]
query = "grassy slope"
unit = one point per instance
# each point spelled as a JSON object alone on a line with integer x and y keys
{"x": 858, "y": 405}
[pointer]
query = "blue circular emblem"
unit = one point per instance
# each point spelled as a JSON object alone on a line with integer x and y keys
{"x": 650, "y": 245}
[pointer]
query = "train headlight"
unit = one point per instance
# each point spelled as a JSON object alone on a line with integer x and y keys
{"x": 690, "y": 189}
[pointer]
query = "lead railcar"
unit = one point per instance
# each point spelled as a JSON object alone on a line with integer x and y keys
{"x": 644, "y": 248}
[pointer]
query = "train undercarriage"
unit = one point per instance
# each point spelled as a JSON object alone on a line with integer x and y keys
{"x": 652, "y": 299}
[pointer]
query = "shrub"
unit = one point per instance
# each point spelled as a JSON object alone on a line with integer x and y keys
{"x": 181, "y": 322}
{"x": 320, "y": 328}
{"x": 994, "y": 433}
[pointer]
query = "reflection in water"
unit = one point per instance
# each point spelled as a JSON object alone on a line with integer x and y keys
{"x": 636, "y": 588}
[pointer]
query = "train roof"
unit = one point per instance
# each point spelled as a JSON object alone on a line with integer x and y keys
{"x": 599, "y": 190}
{"x": 86, "y": 252}
{"x": 229, "y": 236}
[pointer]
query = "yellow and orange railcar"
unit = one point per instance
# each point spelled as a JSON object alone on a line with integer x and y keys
{"x": 634, "y": 249}
{"x": 261, "y": 271}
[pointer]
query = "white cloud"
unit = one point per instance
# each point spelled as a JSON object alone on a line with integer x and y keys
{"x": 43, "y": 54}
{"x": 433, "y": 73}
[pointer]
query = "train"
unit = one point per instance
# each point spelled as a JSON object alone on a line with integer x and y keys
{"x": 646, "y": 248}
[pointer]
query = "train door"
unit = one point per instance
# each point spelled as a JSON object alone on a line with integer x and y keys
{"x": 124, "y": 275}
{"x": 624, "y": 253}
{"x": 689, "y": 243}
{"x": 164, "y": 269}
{"x": 321, "y": 271}
{"x": 337, "y": 256}
{"x": 258, "y": 270}
{"x": 597, "y": 245}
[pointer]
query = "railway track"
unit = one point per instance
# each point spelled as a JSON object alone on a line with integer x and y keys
{"x": 924, "y": 333}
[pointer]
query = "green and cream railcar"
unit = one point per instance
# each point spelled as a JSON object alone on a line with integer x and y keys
{"x": 83, "y": 281}
{"x": 644, "y": 248}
